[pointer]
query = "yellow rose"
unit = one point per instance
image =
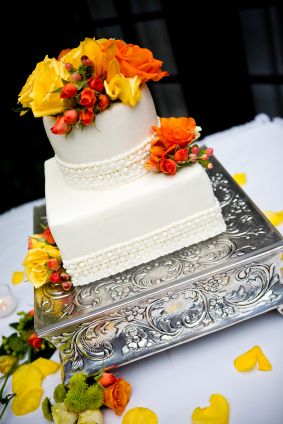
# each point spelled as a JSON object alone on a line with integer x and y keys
{"x": 35, "y": 263}
{"x": 38, "y": 94}
{"x": 36, "y": 241}
{"x": 125, "y": 89}
{"x": 6, "y": 363}
{"x": 90, "y": 48}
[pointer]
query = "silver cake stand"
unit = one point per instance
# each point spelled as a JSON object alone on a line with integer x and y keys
{"x": 172, "y": 300}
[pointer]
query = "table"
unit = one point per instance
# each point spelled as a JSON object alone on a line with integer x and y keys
{"x": 174, "y": 382}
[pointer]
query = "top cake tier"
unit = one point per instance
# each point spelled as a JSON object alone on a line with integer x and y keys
{"x": 111, "y": 152}
{"x": 116, "y": 132}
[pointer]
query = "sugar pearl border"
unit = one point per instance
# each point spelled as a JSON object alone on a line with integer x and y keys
{"x": 108, "y": 173}
{"x": 168, "y": 239}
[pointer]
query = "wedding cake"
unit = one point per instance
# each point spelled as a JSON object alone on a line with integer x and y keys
{"x": 110, "y": 204}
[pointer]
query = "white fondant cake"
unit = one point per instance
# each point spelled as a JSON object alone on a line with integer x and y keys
{"x": 106, "y": 212}
{"x": 117, "y": 131}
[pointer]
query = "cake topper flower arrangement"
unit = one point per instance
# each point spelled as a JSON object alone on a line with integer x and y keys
{"x": 85, "y": 80}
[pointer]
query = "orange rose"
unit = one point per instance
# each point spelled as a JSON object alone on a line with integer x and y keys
{"x": 103, "y": 102}
{"x": 168, "y": 166}
{"x": 60, "y": 126}
{"x": 107, "y": 379}
{"x": 134, "y": 60}
{"x": 88, "y": 98}
{"x": 87, "y": 116}
{"x": 48, "y": 236}
{"x": 181, "y": 155}
{"x": 176, "y": 131}
{"x": 34, "y": 341}
{"x": 152, "y": 165}
{"x": 117, "y": 396}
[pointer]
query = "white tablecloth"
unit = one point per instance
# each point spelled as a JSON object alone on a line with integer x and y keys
{"x": 174, "y": 382}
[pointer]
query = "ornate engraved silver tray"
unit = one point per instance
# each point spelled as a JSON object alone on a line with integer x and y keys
{"x": 174, "y": 299}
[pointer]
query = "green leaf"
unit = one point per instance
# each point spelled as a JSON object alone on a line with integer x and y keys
{"x": 58, "y": 90}
{"x": 65, "y": 81}
{"x": 46, "y": 409}
{"x": 20, "y": 109}
{"x": 47, "y": 352}
{"x": 14, "y": 325}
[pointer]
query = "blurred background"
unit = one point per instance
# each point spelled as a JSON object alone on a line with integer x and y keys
{"x": 225, "y": 65}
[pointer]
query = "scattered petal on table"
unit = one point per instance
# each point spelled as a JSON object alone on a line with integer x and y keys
{"x": 17, "y": 277}
{"x": 25, "y": 376}
{"x": 276, "y": 218}
{"x": 240, "y": 178}
{"x": 216, "y": 413}
{"x": 248, "y": 360}
{"x": 28, "y": 401}
{"x": 140, "y": 415}
{"x": 45, "y": 366}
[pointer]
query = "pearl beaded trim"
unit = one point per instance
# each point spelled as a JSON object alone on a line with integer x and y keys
{"x": 161, "y": 242}
{"x": 108, "y": 173}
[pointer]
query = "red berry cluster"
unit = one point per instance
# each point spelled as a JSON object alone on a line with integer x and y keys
{"x": 83, "y": 98}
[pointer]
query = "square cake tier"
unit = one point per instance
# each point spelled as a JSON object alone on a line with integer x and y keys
{"x": 101, "y": 233}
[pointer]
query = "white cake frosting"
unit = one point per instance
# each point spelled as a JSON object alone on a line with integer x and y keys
{"x": 106, "y": 212}
{"x": 104, "y": 232}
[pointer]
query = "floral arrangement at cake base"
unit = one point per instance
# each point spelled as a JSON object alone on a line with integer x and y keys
{"x": 80, "y": 401}
{"x": 43, "y": 262}
{"x": 25, "y": 357}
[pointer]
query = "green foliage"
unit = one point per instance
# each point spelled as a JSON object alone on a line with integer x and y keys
{"x": 95, "y": 396}
{"x": 81, "y": 396}
{"x": 78, "y": 380}
{"x": 17, "y": 343}
{"x": 46, "y": 409}
{"x": 14, "y": 346}
{"x": 59, "y": 393}
{"x": 76, "y": 399}
{"x": 25, "y": 325}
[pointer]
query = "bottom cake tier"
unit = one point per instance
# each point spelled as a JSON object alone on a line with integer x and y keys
{"x": 101, "y": 233}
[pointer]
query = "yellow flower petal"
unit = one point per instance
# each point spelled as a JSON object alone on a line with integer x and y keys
{"x": 28, "y": 401}
{"x": 216, "y": 413}
{"x": 276, "y": 218}
{"x": 36, "y": 260}
{"x": 140, "y": 415}
{"x": 263, "y": 362}
{"x": 25, "y": 376}
{"x": 6, "y": 363}
{"x": 125, "y": 89}
{"x": 248, "y": 360}
{"x": 45, "y": 366}
{"x": 17, "y": 277}
{"x": 90, "y": 48}
{"x": 240, "y": 178}
{"x": 38, "y": 91}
